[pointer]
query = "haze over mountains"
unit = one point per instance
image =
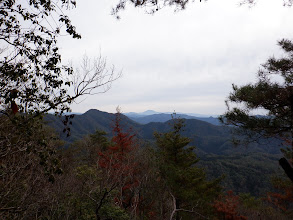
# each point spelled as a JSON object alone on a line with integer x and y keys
{"x": 152, "y": 112}
{"x": 205, "y": 133}
{"x": 247, "y": 169}
{"x": 153, "y": 116}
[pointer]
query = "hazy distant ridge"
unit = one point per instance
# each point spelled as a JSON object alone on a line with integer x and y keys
{"x": 212, "y": 145}
{"x": 153, "y": 116}
{"x": 207, "y": 137}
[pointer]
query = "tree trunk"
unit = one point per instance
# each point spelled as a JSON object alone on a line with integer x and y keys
{"x": 283, "y": 161}
{"x": 286, "y": 167}
{"x": 177, "y": 208}
{"x": 98, "y": 206}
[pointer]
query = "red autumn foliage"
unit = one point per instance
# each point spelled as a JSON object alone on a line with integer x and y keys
{"x": 226, "y": 207}
{"x": 118, "y": 162}
{"x": 284, "y": 199}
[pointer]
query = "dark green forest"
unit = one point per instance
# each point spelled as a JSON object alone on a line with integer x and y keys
{"x": 98, "y": 165}
{"x": 213, "y": 145}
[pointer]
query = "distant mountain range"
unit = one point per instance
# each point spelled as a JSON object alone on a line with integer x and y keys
{"x": 152, "y": 112}
{"x": 206, "y": 136}
{"x": 246, "y": 169}
{"x": 163, "y": 117}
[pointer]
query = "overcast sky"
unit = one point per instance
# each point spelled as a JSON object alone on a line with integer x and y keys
{"x": 184, "y": 61}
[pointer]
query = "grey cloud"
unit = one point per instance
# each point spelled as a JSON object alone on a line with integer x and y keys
{"x": 186, "y": 59}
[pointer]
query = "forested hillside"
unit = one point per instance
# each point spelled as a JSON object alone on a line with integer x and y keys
{"x": 55, "y": 165}
{"x": 207, "y": 137}
{"x": 213, "y": 145}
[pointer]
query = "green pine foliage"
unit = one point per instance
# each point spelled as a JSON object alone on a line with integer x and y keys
{"x": 273, "y": 96}
{"x": 185, "y": 181}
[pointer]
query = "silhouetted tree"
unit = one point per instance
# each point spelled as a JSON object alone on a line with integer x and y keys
{"x": 33, "y": 79}
{"x": 253, "y": 2}
{"x": 151, "y": 6}
{"x": 273, "y": 92}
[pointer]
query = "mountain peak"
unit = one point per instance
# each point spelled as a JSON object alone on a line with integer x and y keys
{"x": 149, "y": 112}
{"x": 91, "y": 110}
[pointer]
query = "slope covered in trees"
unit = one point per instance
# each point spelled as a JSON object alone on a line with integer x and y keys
{"x": 207, "y": 137}
{"x": 99, "y": 177}
{"x": 213, "y": 145}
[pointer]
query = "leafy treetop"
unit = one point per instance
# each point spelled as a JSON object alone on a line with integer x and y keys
{"x": 33, "y": 79}
{"x": 151, "y": 6}
{"x": 185, "y": 181}
{"x": 268, "y": 93}
{"x": 273, "y": 92}
{"x": 30, "y": 62}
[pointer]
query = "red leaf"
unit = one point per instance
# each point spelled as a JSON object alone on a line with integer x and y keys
{"x": 14, "y": 107}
